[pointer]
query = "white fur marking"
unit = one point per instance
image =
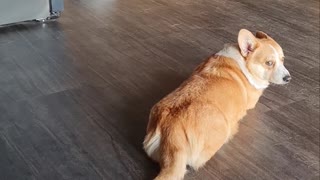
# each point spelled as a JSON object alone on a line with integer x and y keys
{"x": 275, "y": 52}
{"x": 153, "y": 144}
{"x": 231, "y": 51}
{"x": 280, "y": 70}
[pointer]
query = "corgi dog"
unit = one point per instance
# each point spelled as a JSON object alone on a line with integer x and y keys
{"x": 188, "y": 126}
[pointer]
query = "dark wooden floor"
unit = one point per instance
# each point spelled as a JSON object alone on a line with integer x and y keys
{"x": 75, "y": 94}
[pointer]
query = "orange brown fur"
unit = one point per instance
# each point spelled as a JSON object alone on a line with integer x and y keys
{"x": 189, "y": 126}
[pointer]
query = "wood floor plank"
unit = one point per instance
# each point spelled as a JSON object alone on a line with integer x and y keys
{"x": 75, "y": 93}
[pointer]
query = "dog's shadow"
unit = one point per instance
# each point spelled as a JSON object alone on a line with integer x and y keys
{"x": 136, "y": 112}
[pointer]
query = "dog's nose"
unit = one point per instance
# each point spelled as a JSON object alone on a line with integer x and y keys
{"x": 287, "y": 78}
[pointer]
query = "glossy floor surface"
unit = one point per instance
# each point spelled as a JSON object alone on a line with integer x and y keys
{"x": 75, "y": 94}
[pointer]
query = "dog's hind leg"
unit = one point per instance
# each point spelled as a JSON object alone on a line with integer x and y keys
{"x": 173, "y": 155}
{"x": 173, "y": 165}
{"x": 205, "y": 156}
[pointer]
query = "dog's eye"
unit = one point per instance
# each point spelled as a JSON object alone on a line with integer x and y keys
{"x": 269, "y": 63}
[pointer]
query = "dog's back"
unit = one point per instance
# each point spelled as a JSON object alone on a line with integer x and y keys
{"x": 196, "y": 114}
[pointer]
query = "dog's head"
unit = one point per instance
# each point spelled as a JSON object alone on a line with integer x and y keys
{"x": 263, "y": 56}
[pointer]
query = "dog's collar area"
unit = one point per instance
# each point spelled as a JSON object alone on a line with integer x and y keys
{"x": 231, "y": 51}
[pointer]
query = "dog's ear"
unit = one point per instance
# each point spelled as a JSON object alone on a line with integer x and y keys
{"x": 247, "y": 42}
{"x": 262, "y": 35}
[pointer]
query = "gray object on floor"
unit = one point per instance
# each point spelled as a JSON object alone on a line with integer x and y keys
{"x": 15, "y": 11}
{"x": 57, "y": 6}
